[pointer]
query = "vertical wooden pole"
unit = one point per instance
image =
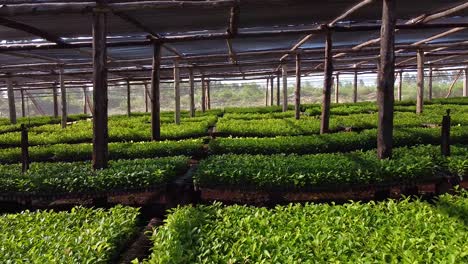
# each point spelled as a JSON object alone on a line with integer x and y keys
{"x": 465, "y": 84}
{"x": 272, "y": 93}
{"x": 85, "y": 100}
{"x": 63, "y": 96}
{"x": 400, "y": 85}
{"x": 429, "y": 85}
{"x": 337, "y": 88}
{"x": 386, "y": 82}
{"x": 445, "y": 135}
{"x": 24, "y": 148}
{"x": 177, "y": 92}
{"x": 284, "y": 70}
{"x": 55, "y": 99}
{"x": 23, "y": 107}
{"x": 266, "y": 91}
{"x": 297, "y": 93}
{"x": 11, "y": 101}
{"x": 145, "y": 86}
{"x": 192, "y": 93}
{"x": 355, "y": 86}
{"x": 203, "y": 98}
{"x": 129, "y": 104}
{"x": 155, "y": 94}
{"x": 327, "y": 85}
{"x": 100, "y": 99}
{"x": 278, "y": 93}
{"x": 208, "y": 95}
{"x": 420, "y": 94}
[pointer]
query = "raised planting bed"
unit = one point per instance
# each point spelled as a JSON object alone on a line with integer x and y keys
{"x": 386, "y": 232}
{"x": 79, "y": 236}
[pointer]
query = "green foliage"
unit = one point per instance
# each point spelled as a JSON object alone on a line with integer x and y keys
{"x": 50, "y": 178}
{"x": 291, "y": 171}
{"x": 79, "y": 236}
{"x": 386, "y": 232}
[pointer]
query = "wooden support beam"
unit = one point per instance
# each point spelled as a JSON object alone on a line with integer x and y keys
{"x": 100, "y": 97}
{"x": 337, "y": 88}
{"x": 11, "y": 101}
{"x": 85, "y": 100}
{"x": 429, "y": 84}
{"x": 63, "y": 96}
{"x": 129, "y": 104}
{"x": 145, "y": 85}
{"x": 176, "y": 92}
{"x": 327, "y": 85}
{"x": 35, "y": 103}
{"x": 453, "y": 83}
{"x": 278, "y": 93}
{"x": 55, "y": 99}
{"x": 266, "y": 91}
{"x": 420, "y": 82}
{"x": 32, "y": 30}
{"x": 355, "y": 86}
{"x": 386, "y": 82}
{"x": 400, "y": 85}
{"x": 465, "y": 84}
{"x": 192, "y": 92}
{"x": 284, "y": 74}
{"x": 23, "y": 106}
{"x": 208, "y": 95}
{"x": 297, "y": 93}
{"x": 155, "y": 94}
{"x": 234, "y": 21}
{"x": 272, "y": 92}
{"x": 203, "y": 95}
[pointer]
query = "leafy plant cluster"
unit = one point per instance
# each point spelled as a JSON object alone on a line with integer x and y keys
{"x": 80, "y": 236}
{"x": 75, "y": 177}
{"x": 384, "y": 232}
{"x": 330, "y": 169}
{"x": 6, "y": 126}
{"x": 117, "y": 150}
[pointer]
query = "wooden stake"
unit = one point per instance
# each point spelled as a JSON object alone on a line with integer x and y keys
{"x": 100, "y": 126}
{"x": 203, "y": 98}
{"x": 284, "y": 70}
{"x": 63, "y": 96}
{"x": 297, "y": 93}
{"x": 145, "y": 85}
{"x": 465, "y": 84}
{"x": 272, "y": 93}
{"x": 445, "y": 135}
{"x": 355, "y": 86}
{"x": 23, "y": 108}
{"x": 400, "y": 85}
{"x": 24, "y": 149}
{"x": 55, "y": 99}
{"x": 177, "y": 92}
{"x": 278, "y": 93}
{"x": 420, "y": 94}
{"x": 192, "y": 93}
{"x": 266, "y": 91}
{"x": 129, "y": 104}
{"x": 337, "y": 88}
{"x": 155, "y": 94}
{"x": 11, "y": 101}
{"x": 429, "y": 85}
{"x": 386, "y": 82}
{"x": 85, "y": 100}
{"x": 208, "y": 95}
{"x": 327, "y": 84}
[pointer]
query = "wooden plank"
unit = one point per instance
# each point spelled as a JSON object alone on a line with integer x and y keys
{"x": 192, "y": 93}
{"x": 284, "y": 74}
{"x": 11, "y": 101}
{"x": 297, "y": 93}
{"x": 327, "y": 85}
{"x": 155, "y": 94}
{"x": 176, "y": 92}
{"x": 420, "y": 82}
{"x": 100, "y": 94}
{"x": 386, "y": 76}
{"x": 63, "y": 96}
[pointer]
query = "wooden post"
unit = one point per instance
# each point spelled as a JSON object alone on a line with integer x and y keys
{"x": 429, "y": 85}
{"x": 272, "y": 93}
{"x": 11, "y": 101}
{"x": 297, "y": 93}
{"x": 420, "y": 94}
{"x": 203, "y": 98}
{"x": 400, "y": 85}
{"x": 266, "y": 91}
{"x": 337, "y": 88}
{"x": 145, "y": 86}
{"x": 129, "y": 104}
{"x": 63, "y": 96}
{"x": 55, "y": 99}
{"x": 24, "y": 149}
{"x": 445, "y": 135}
{"x": 386, "y": 82}
{"x": 155, "y": 94}
{"x": 284, "y": 70}
{"x": 278, "y": 93}
{"x": 208, "y": 95}
{"x": 327, "y": 84}
{"x": 23, "y": 107}
{"x": 100, "y": 126}
{"x": 355, "y": 86}
{"x": 465, "y": 84}
{"x": 177, "y": 92}
{"x": 85, "y": 100}
{"x": 192, "y": 93}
